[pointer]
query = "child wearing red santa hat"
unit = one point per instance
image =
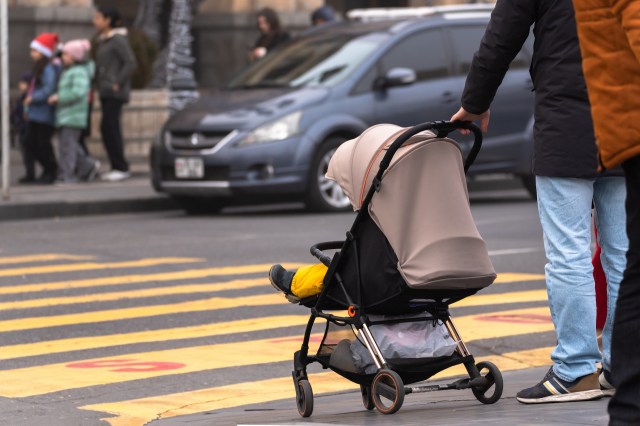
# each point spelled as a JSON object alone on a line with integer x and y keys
{"x": 40, "y": 114}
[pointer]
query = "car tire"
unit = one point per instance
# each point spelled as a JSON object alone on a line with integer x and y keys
{"x": 529, "y": 182}
{"x": 199, "y": 205}
{"x": 324, "y": 195}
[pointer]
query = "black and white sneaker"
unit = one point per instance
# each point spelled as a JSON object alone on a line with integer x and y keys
{"x": 281, "y": 280}
{"x": 605, "y": 383}
{"x": 554, "y": 389}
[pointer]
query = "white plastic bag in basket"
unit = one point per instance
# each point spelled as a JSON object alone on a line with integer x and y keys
{"x": 415, "y": 339}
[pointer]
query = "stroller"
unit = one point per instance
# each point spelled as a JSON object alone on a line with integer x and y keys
{"x": 412, "y": 251}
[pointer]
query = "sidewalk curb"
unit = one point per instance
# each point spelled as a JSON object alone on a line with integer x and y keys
{"x": 49, "y": 210}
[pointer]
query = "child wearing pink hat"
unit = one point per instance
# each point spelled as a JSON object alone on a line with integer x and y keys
{"x": 72, "y": 100}
{"x": 40, "y": 114}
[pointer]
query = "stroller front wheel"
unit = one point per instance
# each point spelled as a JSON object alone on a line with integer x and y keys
{"x": 494, "y": 380}
{"x": 367, "y": 397}
{"x": 304, "y": 398}
{"x": 387, "y": 391}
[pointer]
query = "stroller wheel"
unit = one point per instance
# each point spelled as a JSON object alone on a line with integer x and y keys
{"x": 367, "y": 397}
{"x": 494, "y": 378}
{"x": 387, "y": 391}
{"x": 304, "y": 398}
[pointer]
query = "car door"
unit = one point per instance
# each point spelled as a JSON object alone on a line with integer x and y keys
{"x": 431, "y": 97}
{"x": 512, "y": 108}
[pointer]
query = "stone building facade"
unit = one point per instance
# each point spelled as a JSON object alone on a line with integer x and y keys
{"x": 223, "y": 29}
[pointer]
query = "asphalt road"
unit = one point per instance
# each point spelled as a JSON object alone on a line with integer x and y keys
{"x": 132, "y": 318}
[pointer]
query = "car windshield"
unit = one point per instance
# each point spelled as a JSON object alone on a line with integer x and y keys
{"x": 321, "y": 60}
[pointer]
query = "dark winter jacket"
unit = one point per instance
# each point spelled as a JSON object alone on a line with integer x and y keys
{"x": 115, "y": 64}
{"x": 564, "y": 142}
{"x": 40, "y": 111}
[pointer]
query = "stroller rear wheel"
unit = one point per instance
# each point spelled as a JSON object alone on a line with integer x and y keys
{"x": 387, "y": 391}
{"x": 494, "y": 380}
{"x": 304, "y": 398}
{"x": 367, "y": 397}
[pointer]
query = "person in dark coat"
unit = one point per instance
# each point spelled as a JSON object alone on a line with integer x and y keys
{"x": 271, "y": 33}
{"x": 19, "y": 123}
{"x": 115, "y": 64}
{"x": 565, "y": 163}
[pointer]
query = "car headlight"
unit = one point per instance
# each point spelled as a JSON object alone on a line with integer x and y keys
{"x": 278, "y": 130}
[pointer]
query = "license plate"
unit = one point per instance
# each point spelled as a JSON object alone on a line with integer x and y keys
{"x": 189, "y": 168}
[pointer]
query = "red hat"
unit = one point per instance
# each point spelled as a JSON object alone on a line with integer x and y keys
{"x": 46, "y": 43}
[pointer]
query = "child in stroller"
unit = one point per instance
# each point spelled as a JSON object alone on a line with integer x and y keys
{"x": 412, "y": 251}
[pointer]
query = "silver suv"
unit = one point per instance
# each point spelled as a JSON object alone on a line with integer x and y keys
{"x": 271, "y": 132}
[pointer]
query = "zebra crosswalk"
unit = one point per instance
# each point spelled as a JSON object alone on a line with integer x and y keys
{"x": 181, "y": 336}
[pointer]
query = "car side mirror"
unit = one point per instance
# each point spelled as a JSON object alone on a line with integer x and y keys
{"x": 396, "y": 77}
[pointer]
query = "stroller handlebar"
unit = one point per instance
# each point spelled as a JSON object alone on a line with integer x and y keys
{"x": 442, "y": 128}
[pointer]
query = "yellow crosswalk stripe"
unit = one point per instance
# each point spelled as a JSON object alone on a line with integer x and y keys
{"x": 513, "y": 277}
{"x": 38, "y": 380}
{"x": 478, "y": 300}
{"x": 165, "y": 334}
{"x": 136, "y": 294}
{"x": 216, "y": 303}
{"x": 41, "y": 258}
{"x": 502, "y": 298}
{"x": 74, "y": 267}
{"x": 63, "y": 345}
{"x": 138, "y": 412}
{"x": 211, "y": 304}
{"x": 18, "y": 288}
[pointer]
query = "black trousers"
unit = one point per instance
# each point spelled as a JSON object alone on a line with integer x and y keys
{"x": 111, "y": 130}
{"x": 624, "y": 408}
{"x": 38, "y": 146}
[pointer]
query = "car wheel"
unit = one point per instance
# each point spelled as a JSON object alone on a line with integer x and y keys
{"x": 324, "y": 194}
{"x": 199, "y": 205}
{"x": 529, "y": 182}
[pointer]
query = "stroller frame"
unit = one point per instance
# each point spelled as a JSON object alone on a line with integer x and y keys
{"x": 387, "y": 384}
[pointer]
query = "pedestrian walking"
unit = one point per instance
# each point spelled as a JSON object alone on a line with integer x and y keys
{"x": 19, "y": 123}
{"x": 323, "y": 15}
{"x": 72, "y": 100}
{"x": 271, "y": 33}
{"x": 40, "y": 114}
{"x": 609, "y": 33}
{"x": 567, "y": 180}
{"x": 115, "y": 64}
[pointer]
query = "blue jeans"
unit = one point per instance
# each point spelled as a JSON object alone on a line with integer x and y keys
{"x": 564, "y": 206}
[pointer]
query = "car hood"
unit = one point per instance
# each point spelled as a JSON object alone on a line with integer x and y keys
{"x": 243, "y": 109}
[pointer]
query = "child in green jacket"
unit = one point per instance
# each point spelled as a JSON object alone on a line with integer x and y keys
{"x": 72, "y": 113}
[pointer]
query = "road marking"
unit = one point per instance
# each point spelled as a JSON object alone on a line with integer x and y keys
{"x": 138, "y": 412}
{"x": 514, "y": 277}
{"x": 81, "y": 343}
{"x": 136, "y": 294}
{"x": 211, "y": 304}
{"x": 141, "y": 278}
{"x": 217, "y": 303}
{"x": 206, "y": 330}
{"x": 502, "y": 298}
{"x": 38, "y": 270}
{"x": 43, "y": 379}
{"x": 478, "y": 300}
{"x": 41, "y": 258}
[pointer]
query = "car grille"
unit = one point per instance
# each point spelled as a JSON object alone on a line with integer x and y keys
{"x": 211, "y": 173}
{"x": 186, "y": 140}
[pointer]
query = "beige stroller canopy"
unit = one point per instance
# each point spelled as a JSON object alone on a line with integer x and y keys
{"x": 422, "y": 207}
